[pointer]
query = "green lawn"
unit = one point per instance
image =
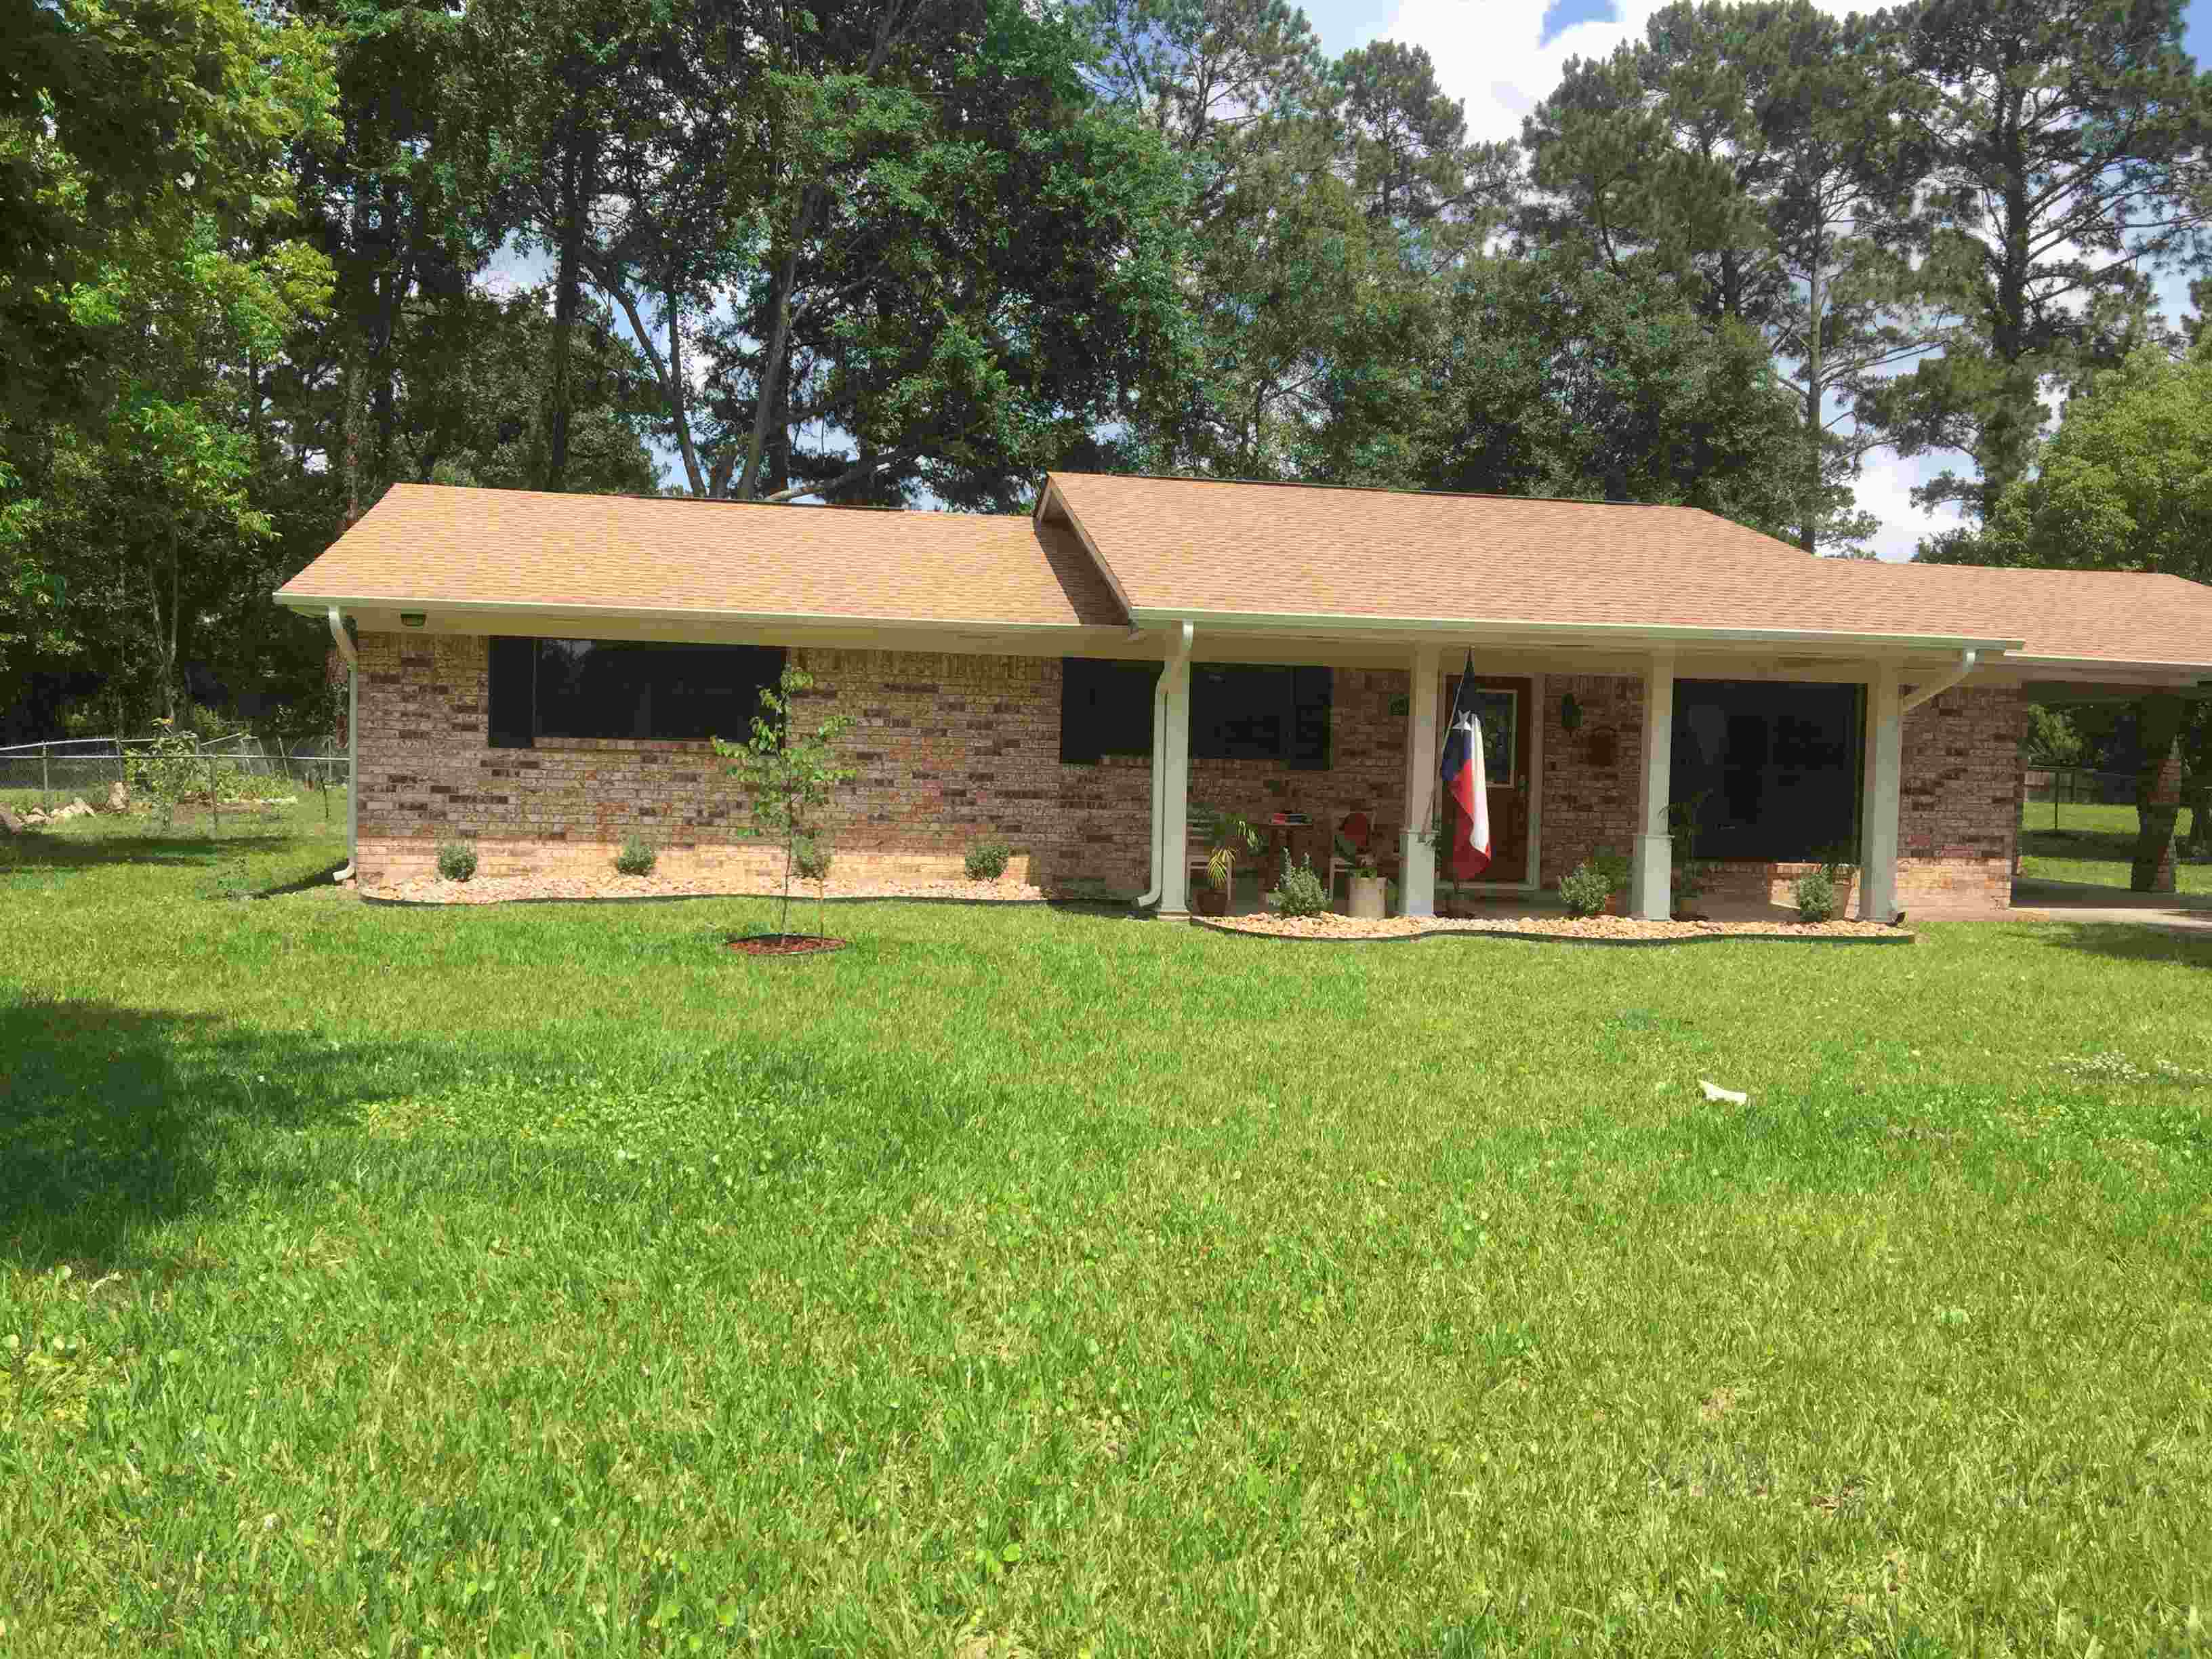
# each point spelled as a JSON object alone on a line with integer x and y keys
{"x": 2094, "y": 844}
{"x": 548, "y": 1280}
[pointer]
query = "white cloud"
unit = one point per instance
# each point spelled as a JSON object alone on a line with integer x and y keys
{"x": 1884, "y": 489}
{"x": 1492, "y": 54}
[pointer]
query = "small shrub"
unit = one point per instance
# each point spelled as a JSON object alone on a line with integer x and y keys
{"x": 1302, "y": 893}
{"x": 811, "y": 861}
{"x": 167, "y": 772}
{"x": 1816, "y": 895}
{"x": 457, "y": 860}
{"x": 1613, "y": 866}
{"x": 637, "y": 857}
{"x": 987, "y": 859}
{"x": 1584, "y": 889}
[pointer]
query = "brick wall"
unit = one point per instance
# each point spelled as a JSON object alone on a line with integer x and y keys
{"x": 1589, "y": 773}
{"x": 1958, "y": 817}
{"x": 948, "y": 748}
{"x": 951, "y": 748}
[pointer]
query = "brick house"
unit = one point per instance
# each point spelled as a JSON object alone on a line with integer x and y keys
{"x": 541, "y": 673}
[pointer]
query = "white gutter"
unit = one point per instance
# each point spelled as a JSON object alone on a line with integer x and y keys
{"x": 353, "y": 740}
{"x": 1178, "y": 659}
{"x": 1627, "y": 635}
{"x": 307, "y": 603}
{"x": 1936, "y": 688}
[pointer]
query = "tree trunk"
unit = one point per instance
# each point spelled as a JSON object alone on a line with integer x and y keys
{"x": 2158, "y": 723}
{"x": 568, "y": 290}
{"x": 1809, "y": 537}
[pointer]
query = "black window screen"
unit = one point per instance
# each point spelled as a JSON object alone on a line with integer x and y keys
{"x": 1238, "y": 711}
{"x": 1105, "y": 708}
{"x": 1772, "y": 767}
{"x": 641, "y": 690}
{"x": 1243, "y": 711}
{"x": 513, "y": 716}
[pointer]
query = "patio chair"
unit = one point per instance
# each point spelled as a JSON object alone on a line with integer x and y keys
{"x": 1359, "y": 831}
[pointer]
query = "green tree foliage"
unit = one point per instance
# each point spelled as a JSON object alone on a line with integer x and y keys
{"x": 2125, "y": 483}
{"x": 1562, "y": 380}
{"x": 263, "y": 261}
{"x": 2062, "y": 153}
{"x": 1751, "y": 160}
{"x": 1333, "y": 207}
{"x": 870, "y": 250}
{"x": 142, "y": 151}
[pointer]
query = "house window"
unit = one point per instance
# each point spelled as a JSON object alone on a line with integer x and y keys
{"x": 1238, "y": 711}
{"x": 640, "y": 690}
{"x": 1105, "y": 708}
{"x": 1772, "y": 767}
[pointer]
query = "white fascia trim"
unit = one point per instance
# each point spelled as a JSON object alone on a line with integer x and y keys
{"x": 2091, "y": 668}
{"x": 1612, "y": 634}
{"x": 310, "y": 605}
{"x": 1052, "y": 497}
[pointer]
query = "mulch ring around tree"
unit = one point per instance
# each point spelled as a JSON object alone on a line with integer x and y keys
{"x": 785, "y": 945}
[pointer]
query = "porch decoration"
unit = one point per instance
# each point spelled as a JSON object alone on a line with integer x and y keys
{"x": 1463, "y": 781}
{"x": 1229, "y": 836}
{"x": 1366, "y": 885}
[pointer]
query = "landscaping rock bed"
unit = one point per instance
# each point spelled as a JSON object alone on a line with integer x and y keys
{"x": 496, "y": 890}
{"x": 1594, "y": 930}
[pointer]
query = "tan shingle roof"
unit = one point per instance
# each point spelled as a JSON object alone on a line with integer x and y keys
{"x": 2092, "y": 616}
{"x": 428, "y": 544}
{"x": 1186, "y": 546}
{"x": 1189, "y": 547}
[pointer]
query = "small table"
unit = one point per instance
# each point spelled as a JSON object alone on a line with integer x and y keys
{"x": 1282, "y": 842}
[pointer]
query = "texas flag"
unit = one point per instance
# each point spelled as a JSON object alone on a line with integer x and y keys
{"x": 1464, "y": 782}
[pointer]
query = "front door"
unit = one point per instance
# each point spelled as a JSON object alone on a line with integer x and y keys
{"x": 1502, "y": 707}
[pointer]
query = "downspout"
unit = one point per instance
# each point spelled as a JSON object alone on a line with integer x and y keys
{"x": 353, "y": 740}
{"x": 1178, "y": 658}
{"x": 1936, "y": 689}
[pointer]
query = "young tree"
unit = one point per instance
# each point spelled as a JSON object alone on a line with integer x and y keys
{"x": 790, "y": 775}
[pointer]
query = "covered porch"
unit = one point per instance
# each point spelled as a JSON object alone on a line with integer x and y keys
{"x": 1592, "y": 743}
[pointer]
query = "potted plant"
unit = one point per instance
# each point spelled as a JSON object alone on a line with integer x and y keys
{"x": 1613, "y": 869}
{"x": 1369, "y": 901}
{"x": 1690, "y": 878}
{"x": 1229, "y": 836}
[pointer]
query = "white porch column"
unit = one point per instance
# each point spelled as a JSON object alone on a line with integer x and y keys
{"x": 1174, "y": 760}
{"x": 1417, "y": 857}
{"x": 1651, "y": 877}
{"x": 1878, "y": 797}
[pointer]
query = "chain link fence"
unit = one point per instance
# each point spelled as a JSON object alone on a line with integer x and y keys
{"x": 53, "y": 774}
{"x": 2050, "y": 790}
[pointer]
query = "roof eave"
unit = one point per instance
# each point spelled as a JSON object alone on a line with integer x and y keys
{"x": 2043, "y": 666}
{"x": 1612, "y": 632}
{"x": 316, "y": 604}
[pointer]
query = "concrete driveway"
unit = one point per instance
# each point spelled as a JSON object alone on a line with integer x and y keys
{"x": 2073, "y": 901}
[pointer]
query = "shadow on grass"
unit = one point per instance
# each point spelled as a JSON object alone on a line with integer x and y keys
{"x": 42, "y": 852}
{"x": 2129, "y": 941}
{"x": 114, "y": 1118}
